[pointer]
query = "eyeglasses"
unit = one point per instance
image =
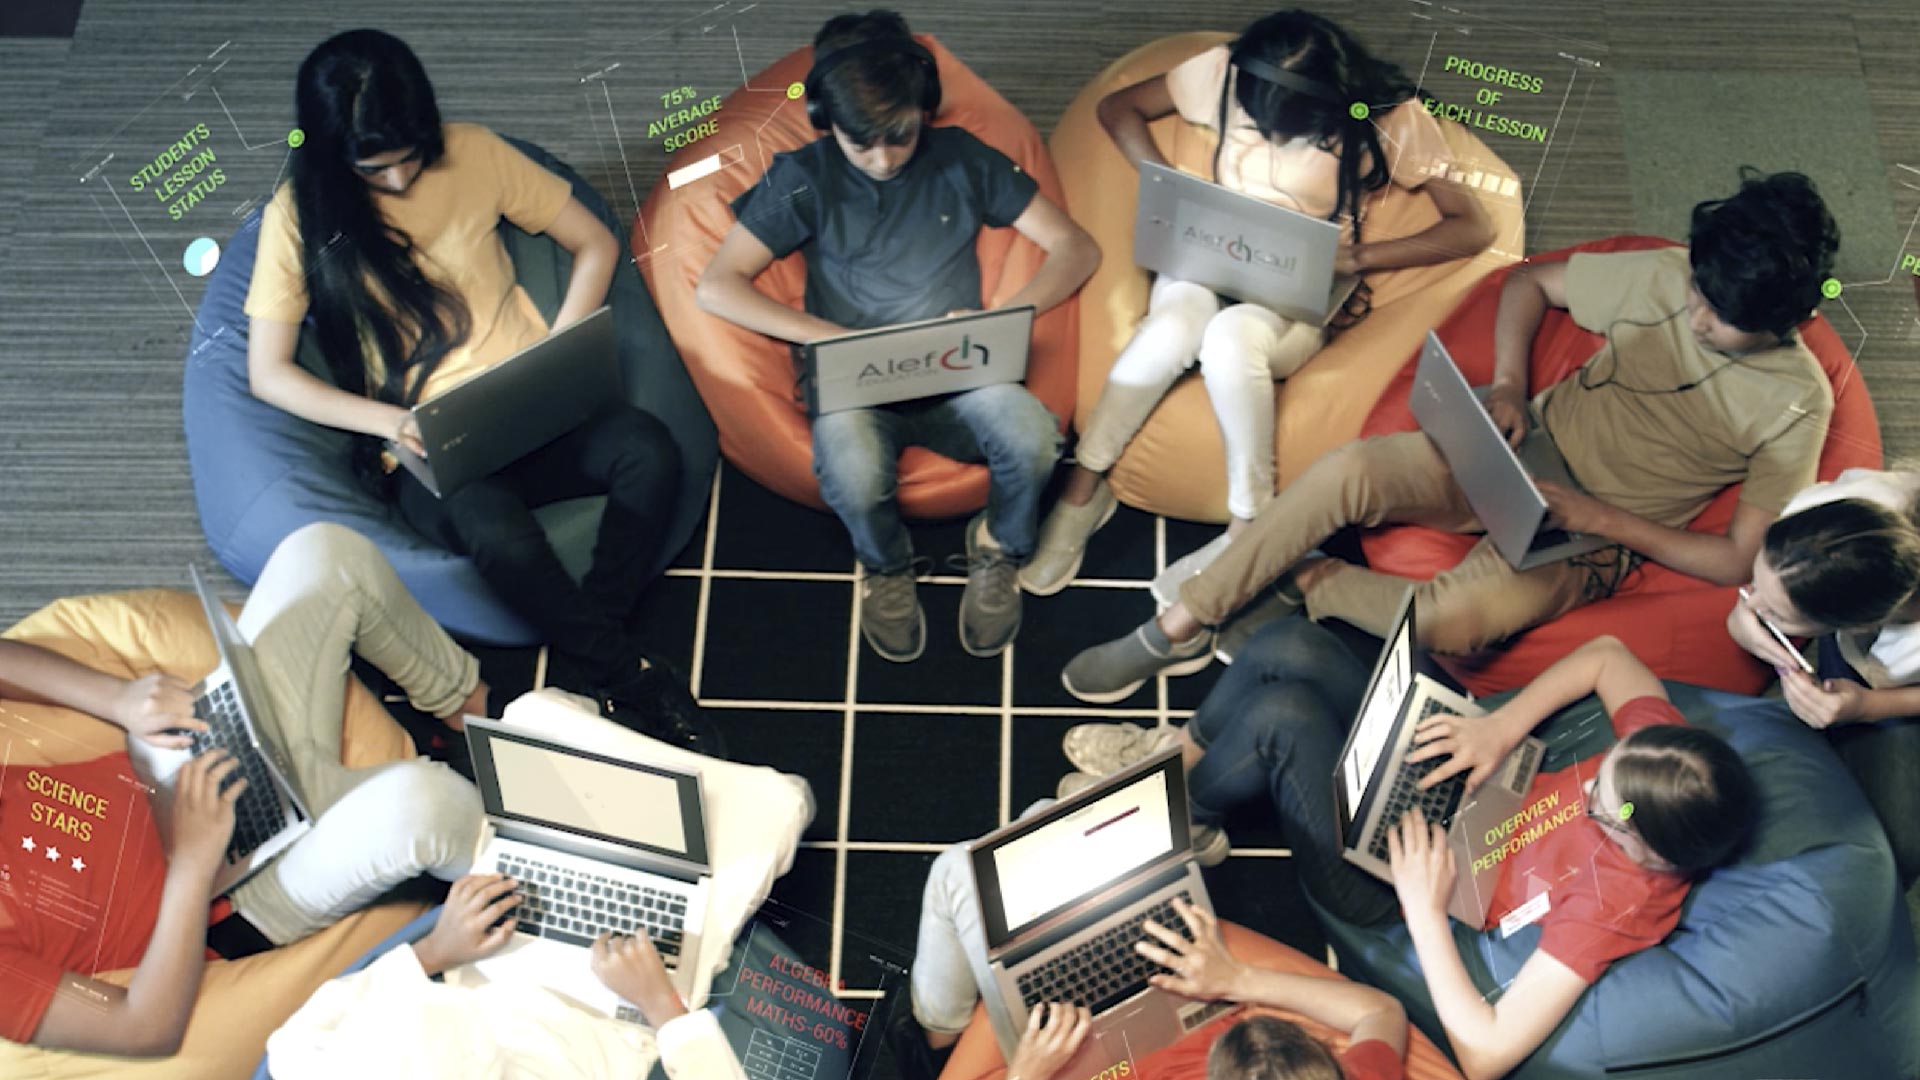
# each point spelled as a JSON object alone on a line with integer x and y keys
{"x": 1615, "y": 820}
{"x": 412, "y": 155}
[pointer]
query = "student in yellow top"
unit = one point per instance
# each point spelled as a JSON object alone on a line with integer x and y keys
{"x": 386, "y": 240}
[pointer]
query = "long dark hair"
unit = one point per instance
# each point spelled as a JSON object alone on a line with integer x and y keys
{"x": 1848, "y": 564}
{"x": 1328, "y": 71}
{"x": 360, "y": 94}
{"x": 1694, "y": 800}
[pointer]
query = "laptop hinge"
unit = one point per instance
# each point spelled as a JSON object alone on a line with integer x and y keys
{"x": 597, "y": 850}
{"x": 1090, "y": 912}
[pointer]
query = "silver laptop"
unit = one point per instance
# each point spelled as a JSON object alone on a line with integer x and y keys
{"x": 1497, "y": 480}
{"x": 1375, "y": 786}
{"x": 915, "y": 360}
{"x": 1062, "y": 894}
{"x": 597, "y": 844}
{"x": 270, "y": 814}
{"x": 516, "y": 406}
{"x": 1237, "y": 245}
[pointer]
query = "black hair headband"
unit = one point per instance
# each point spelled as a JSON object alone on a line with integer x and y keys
{"x": 1266, "y": 72}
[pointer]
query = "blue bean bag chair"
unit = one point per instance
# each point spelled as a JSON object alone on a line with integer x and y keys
{"x": 1797, "y": 961}
{"x": 260, "y": 473}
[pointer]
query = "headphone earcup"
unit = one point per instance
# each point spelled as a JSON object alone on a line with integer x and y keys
{"x": 816, "y": 109}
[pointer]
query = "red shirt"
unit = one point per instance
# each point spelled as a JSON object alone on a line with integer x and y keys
{"x": 81, "y": 871}
{"x": 1601, "y": 905}
{"x": 1187, "y": 1059}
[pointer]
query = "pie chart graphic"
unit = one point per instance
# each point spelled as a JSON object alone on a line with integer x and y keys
{"x": 202, "y": 256}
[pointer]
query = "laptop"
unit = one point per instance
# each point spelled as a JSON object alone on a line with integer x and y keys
{"x": 597, "y": 843}
{"x": 1062, "y": 894}
{"x": 515, "y": 407}
{"x": 914, "y": 360}
{"x": 270, "y": 814}
{"x": 1497, "y": 479}
{"x": 1374, "y": 784}
{"x": 1239, "y": 246}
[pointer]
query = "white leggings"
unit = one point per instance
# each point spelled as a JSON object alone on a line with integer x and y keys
{"x": 1242, "y": 350}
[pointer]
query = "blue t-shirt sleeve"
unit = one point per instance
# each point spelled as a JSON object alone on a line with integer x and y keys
{"x": 1003, "y": 188}
{"x": 780, "y": 208}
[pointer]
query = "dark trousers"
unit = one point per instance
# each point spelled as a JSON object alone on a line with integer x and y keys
{"x": 1273, "y": 728}
{"x": 1884, "y": 757}
{"x": 620, "y": 452}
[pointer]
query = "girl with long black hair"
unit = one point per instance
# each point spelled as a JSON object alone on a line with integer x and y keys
{"x": 1282, "y": 97}
{"x": 386, "y": 238}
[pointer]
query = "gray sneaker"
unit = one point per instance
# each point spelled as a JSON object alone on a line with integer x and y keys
{"x": 1275, "y": 602}
{"x": 1210, "y": 845}
{"x": 1107, "y": 673}
{"x": 891, "y": 618}
{"x": 1063, "y": 541}
{"x": 1103, "y": 749}
{"x": 1073, "y": 784}
{"x": 990, "y": 606}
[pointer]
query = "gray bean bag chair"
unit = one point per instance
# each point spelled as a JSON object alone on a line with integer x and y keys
{"x": 1797, "y": 961}
{"x": 260, "y": 473}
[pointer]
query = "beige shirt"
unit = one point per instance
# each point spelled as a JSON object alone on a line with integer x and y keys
{"x": 451, "y": 212}
{"x": 1635, "y": 440}
{"x": 1296, "y": 173}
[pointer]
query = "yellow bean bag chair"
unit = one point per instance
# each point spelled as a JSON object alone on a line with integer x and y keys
{"x": 135, "y": 633}
{"x": 1176, "y": 465}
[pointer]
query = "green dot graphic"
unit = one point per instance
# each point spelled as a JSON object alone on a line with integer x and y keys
{"x": 296, "y": 137}
{"x": 1359, "y": 111}
{"x": 1626, "y": 811}
{"x": 794, "y": 90}
{"x": 1830, "y": 288}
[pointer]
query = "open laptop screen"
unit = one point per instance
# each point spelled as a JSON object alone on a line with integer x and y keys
{"x": 1067, "y": 853}
{"x": 527, "y": 779}
{"x": 1373, "y": 726}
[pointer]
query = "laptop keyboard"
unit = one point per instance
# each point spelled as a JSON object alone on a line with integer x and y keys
{"x": 574, "y": 907}
{"x": 257, "y": 815}
{"x": 1103, "y": 970}
{"x": 1439, "y": 803}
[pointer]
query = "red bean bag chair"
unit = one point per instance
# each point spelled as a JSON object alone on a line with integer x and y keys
{"x": 1673, "y": 622}
{"x": 747, "y": 379}
{"x": 977, "y": 1055}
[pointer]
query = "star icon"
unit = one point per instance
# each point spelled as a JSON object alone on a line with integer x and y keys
{"x": 78, "y": 864}
{"x": 53, "y": 854}
{"x": 26, "y": 843}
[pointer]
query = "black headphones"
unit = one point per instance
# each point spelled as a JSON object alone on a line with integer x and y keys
{"x": 904, "y": 46}
{"x": 1280, "y": 76}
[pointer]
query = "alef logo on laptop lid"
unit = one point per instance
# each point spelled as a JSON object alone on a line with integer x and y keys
{"x": 962, "y": 357}
{"x": 1235, "y": 248}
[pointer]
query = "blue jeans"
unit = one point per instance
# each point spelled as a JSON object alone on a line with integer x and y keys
{"x": 856, "y": 456}
{"x": 1884, "y": 757}
{"x": 1273, "y": 728}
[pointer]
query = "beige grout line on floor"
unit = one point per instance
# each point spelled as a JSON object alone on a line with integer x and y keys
{"x": 848, "y": 708}
{"x": 705, "y": 575}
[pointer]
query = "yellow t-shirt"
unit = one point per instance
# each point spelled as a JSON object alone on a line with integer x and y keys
{"x": 1632, "y": 439}
{"x": 1297, "y": 174}
{"x": 451, "y": 212}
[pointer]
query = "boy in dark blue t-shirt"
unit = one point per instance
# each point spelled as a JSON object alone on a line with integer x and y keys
{"x": 887, "y": 211}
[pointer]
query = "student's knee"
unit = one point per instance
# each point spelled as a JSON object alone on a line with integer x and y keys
{"x": 852, "y": 462}
{"x": 640, "y": 440}
{"x": 1021, "y": 432}
{"x": 436, "y": 816}
{"x": 1457, "y": 620}
{"x": 1183, "y": 302}
{"x": 325, "y": 543}
{"x": 949, "y": 884}
{"x": 488, "y": 517}
{"x": 1233, "y": 343}
{"x": 1288, "y": 648}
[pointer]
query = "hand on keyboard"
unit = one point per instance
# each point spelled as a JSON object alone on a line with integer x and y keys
{"x": 201, "y": 820}
{"x": 1475, "y": 745}
{"x": 630, "y": 966}
{"x": 159, "y": 709}
{"x": 1054, "y": 1034}
{"x": 1422, "y": 864}
{"x": 1200, "y": 967}
{"x": 476, "y": 922}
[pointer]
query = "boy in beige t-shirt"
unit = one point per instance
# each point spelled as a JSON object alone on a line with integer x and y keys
{"x": 1701, "y": 383}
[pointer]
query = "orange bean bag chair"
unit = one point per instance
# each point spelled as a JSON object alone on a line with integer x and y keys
{"x": 747, "y": 379}
{"x": 1673, "y": 622}
{"x": 1176, "y": 465}
{"x": 241, "y": 1001}
{"x": 977, "y": 1055}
